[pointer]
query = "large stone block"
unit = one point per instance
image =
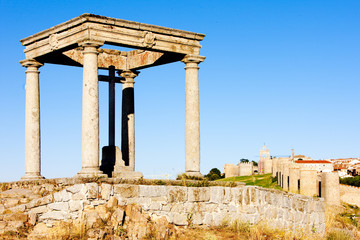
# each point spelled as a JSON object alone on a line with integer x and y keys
{"x": 15, "y": 217}
{"x": 40, "y": 209}
{"x": 75, "y": 188}
{"x": 178, "y": 207}
{"x": 152, "y": 191}
{"x": 126, "y": 190}
{"x": 92, "y": 190}
{"x": 106, "y": 190}
{"x": 208, "y": 219}
{"x": 237, "y": 195}
{"x": 180, "y": 219}
{"x": 217, "y": 194}
{"x": 177, "y": 194}
{"x": 62, "y": 196}
{"x": 59, "y": 206}
{"x": 155, "y": 206}
{"x": 54, "y": 215}
{"x": 117, "y": 217}
{"x": 221, "y": 218}
{"x": 39, "y": 202}
{"x": 75, "y": 205}
{"x": 199, "y": 194}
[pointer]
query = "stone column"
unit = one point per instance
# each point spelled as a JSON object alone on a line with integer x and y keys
{"x": 90, "y": 111}
{"x": 192, "y": 115}
{"x": 32, "y": 121}
{"x": 128, "y": 119}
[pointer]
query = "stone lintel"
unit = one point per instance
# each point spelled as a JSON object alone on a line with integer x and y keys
{"x": 111, "y": 31}
{"x": 137, "y": 59}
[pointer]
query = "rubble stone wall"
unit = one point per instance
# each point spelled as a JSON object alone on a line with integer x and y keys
{"x": 181, "y": 205}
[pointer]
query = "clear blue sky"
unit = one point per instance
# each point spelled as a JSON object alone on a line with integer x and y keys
{"x": 281, "y": 72}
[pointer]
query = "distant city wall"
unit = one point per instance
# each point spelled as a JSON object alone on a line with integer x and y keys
{"x": 350, "y": 194}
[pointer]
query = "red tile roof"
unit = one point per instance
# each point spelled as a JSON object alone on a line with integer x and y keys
{"x": 312, "y": 161}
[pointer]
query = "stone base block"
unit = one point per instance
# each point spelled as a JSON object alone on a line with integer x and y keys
{"x": 124, "y": 173}
{"x": 31, "y": 176}
{"x": 89, "y": 173}
{"x": 194, "y": 174}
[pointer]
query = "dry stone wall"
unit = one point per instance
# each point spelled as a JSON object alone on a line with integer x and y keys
{"x": 181, "y": 205}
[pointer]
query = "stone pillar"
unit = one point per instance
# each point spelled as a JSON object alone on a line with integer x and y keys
{"x": 308, "y": 179}
{"x": 192, "y": 115}
{"x": 128, "y": 119}
{"x": 90, "y": 111}
{"x": 32, "y": 121}
{"x": 330, "y": 188}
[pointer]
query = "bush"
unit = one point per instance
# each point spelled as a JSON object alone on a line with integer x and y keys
{"x": 214, "y": 174}
{"x": 353, "y": 181}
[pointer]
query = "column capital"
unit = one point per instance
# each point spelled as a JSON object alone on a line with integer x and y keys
{"x": 129, "y": 75}
{"x": 190, "y": 58}
{"x": 31, "y": 63}
{"x": 91, "y": 43}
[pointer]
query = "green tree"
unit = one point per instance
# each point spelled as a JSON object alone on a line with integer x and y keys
{"x": 244, "y": 160}
{"x": 214, "y": 174}
{"x": 254, "y": 163}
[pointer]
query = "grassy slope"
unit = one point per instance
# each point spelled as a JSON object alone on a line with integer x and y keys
{"x": 264, "y": 180}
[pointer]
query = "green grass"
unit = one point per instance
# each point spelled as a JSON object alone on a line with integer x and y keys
{"x": 264, "y": 180}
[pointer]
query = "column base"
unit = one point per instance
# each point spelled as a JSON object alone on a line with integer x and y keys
{"x": 194, "y": 174}
{"x": 125, "y": 173}
{"x": 31, "y": 176}
{"x": 90, "y": 172}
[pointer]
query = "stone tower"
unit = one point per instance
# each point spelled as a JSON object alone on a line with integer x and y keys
{"x": 265, "y": 161}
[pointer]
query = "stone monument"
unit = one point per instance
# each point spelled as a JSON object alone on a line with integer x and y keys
{"x": 78, "y": 42}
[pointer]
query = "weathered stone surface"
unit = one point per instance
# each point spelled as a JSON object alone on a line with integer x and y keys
{"x": 75, "y": 205}
{"x": 177, "y": 194}
{"x": 18, "y": 192}
{"x": 14, "y": 225}
{"x": 62, "y": 196}
{"x": 152, "y": 191}
{"x": 39, "y": 202}
{"x": 198, "y": 194}
{"x": 75, "y": 188}
{"x": 112, "y": 202}
{"x": 54, "y": 215}
{"x": 78, "y": 196}
{"x": 59, "y": 206}
{"x": 117, "y": 217}
{"x": 217, "y": 194}
{"x": 2, "y": 224}
{"x": 204, "y": 205}
{"x": 92, "y": 190}
{"x": 155, "y": 206}
{"x": 180, "y": 219}
{"x": 32, "y": 218}
{"x": 15, "y": 217}
{"x": 11, "y": 202}
{"x": 19, "y": 208}
{"x": 40, "y": 209}
{"x": 103, "y": 213}
{"x": 106, "y": 190}
{"x": 208, "y": 219}
{"x": 126, "y": 191}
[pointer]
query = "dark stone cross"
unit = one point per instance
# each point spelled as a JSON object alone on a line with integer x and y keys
{"x": 108, "y": 152}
